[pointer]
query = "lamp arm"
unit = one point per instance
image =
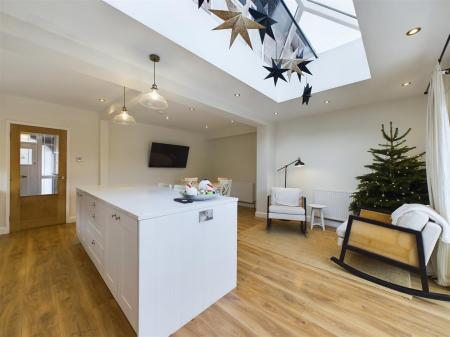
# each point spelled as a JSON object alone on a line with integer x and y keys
{"x": 286, "y": 166}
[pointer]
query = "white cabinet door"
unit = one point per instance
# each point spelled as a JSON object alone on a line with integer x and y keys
{"x": 79, "y": 223}
{"x": 82, "y": 217}
{"x": 128, "y": 268}
{"x": 112, "y": 250}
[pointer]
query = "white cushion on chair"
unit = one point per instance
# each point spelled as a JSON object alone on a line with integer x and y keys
{"x": 340, "y": 231}
{"x": 430, "y": 236}
{"x": 286, "y": 209}
{"x": 286, "y": 196}
{"x": 413, "y": 220}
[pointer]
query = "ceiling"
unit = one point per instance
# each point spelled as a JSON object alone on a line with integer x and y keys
{"x": 337, "y": 41}
{"x": 73, "y": 53}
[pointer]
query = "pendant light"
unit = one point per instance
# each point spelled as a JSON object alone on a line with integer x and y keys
{"x": 124, "y": 118}
{"x": 153, "y": 99}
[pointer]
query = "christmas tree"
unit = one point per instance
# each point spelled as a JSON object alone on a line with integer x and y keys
{"x": 396, "y": 177}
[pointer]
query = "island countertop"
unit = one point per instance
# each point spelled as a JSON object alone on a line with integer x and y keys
{"x": 147, "y": 202}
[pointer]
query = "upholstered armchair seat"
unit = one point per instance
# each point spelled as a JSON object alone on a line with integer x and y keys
{"x": 286, "y": 204}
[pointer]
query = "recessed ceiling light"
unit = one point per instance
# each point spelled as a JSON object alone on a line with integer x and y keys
{"x": 413, "y": 31}
{"x": 275, "y": 113}
{"x": 405, "y": 84}
{"x": 206, "y": 126}
{"x": 237, "y": 94}
{"x": 191, "y": 108}
{"x": 167, "y": 117}
{"x": 232, "y": 121}
{"x": 326, "y": 101}
{"x": 103, "y": 100}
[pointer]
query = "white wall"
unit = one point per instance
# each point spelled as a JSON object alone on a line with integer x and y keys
{"x": 129, "y": 149}
{"x": 334, "y": 145}
{"x": 233, "y": 157}
{"x": 82, "y": 140}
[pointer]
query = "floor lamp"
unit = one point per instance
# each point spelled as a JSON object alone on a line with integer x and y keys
{"x": 297, "y": 163}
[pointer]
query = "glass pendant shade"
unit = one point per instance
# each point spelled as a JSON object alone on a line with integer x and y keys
{"x": 154, "y": 100}
{"x": 124, "y": 118}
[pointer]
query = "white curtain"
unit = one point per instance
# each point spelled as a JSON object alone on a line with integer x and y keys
{"x": 438, "y": 168}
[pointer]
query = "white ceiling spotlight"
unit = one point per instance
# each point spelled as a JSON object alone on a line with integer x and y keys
{"x": 237, "y": 95}
{"x": 153, "y": 99}
{"x": 124, "y": 118}
{"x": 413, "y": 31}
{"x": 102, "y": 100}
{"x": 406, "y": 84}
{"x": 191, "y": 108}
{"x": 326, "y": 102}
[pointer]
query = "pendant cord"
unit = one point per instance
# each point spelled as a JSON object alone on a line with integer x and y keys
{"x": 154, "y": 72}
{"x": 124, "y": 96}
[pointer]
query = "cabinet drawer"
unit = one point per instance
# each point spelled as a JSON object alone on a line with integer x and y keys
{"x": 95, "y": 248}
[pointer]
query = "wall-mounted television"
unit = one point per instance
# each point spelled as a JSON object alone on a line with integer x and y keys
{"x": 168, "y": 155}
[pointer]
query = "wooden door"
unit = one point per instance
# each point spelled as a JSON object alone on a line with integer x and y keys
{"x": 37, "y": 177}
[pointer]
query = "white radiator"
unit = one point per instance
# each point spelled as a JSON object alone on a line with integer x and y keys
{"x": 337, "y": 203}
{"x": 244, "y": 191}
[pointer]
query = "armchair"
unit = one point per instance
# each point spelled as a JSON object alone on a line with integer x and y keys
{"x": 286, "y": 204}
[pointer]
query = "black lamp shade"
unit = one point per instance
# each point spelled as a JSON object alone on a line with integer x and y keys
{"x": 299, "y": 163}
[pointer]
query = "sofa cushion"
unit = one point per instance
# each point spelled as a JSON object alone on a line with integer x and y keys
{"x": 286, "y": 209}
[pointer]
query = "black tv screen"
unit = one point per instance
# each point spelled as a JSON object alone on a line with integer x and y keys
{"x": 167, "y": 155}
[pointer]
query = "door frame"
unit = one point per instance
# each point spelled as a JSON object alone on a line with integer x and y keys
{"x": 8, "y": 173}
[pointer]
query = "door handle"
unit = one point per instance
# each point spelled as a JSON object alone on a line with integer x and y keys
{"x": 23, "y": 176}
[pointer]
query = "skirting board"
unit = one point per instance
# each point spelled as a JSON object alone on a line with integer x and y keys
{"x": 328, "y": 223}
{"x": 246, "y": 204}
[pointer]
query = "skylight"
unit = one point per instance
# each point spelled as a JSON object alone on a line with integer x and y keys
{"x": 327, "y": 36}
{"x": 345, "y": 6}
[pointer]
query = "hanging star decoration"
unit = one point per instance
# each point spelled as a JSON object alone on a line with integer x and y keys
{"x": 236, "y": 21}
{"x": 200, "y": 2}
{"x": 276, "y": 71}
{"x": 296, "y": 64}
{"x": 260, "y": 14}
{"x": 271, "y": 5}
{"x": 306, "y": 94}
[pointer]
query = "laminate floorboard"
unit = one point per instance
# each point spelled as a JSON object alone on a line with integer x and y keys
{"x": 49, "y": 287}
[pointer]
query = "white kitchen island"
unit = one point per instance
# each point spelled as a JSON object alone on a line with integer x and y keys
{"x": 164, "y": 262}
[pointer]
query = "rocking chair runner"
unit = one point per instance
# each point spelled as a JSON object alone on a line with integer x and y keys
{"x": 398, "y": 246}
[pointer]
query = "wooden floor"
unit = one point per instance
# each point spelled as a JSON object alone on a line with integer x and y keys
{"x": 49, "y": 287}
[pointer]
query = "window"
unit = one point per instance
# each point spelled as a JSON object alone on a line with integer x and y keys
{"x": 26, "y": 156}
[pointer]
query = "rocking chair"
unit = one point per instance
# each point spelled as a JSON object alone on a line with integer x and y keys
{"x": 373, "y": 235}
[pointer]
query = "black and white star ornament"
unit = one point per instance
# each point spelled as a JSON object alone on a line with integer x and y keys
{"x": 276, "y": 71}
{"x": 260, "y": 15}
{"x": 306, "y": 94}
{"x": 200, "y": 2}
{"x": 270, "y": 5}
{"x": 295, "y": 63}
